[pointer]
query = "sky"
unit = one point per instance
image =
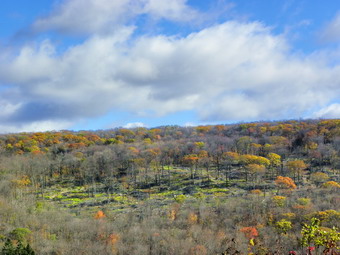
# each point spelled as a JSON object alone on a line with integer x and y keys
{"x": 101, "y": 64}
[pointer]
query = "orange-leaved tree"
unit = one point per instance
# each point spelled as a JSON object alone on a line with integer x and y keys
{"x": 331, "y": 185}
{"x": 285, "y": 183}
{"x": 191, "y": 160}
{"x": 99, "y": 215}
{"x": 250, "y": 233}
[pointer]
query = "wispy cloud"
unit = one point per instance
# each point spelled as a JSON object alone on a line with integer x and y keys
{"x": 331, "y": 32}
{"x": 105, "y": 16}
{"x": 331, "y": 111}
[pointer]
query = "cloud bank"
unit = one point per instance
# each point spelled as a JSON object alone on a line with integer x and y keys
{"x": 232, "y": 71}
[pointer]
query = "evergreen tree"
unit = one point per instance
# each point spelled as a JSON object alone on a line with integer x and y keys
{"x": 20, "y": 249}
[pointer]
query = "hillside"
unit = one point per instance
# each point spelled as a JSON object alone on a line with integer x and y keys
{"x": 250, "y": 188}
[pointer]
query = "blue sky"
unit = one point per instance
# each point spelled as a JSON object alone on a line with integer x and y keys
{"x": 98, "y": 64}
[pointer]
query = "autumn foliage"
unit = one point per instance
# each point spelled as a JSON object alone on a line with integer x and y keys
{"x": 285, "y": 183}
{"x": 296, "y": 166}
{"x": 99, "y": 215}
{"x": 192, "y": 218}
{"x": 249, "y": 232}
{"x": 22, "y": 181}
{"x": 279, "y": 200}
{"x": 331, "y": 185}
{"x": 256, "y": 192}
{"x": 172, "y": 190}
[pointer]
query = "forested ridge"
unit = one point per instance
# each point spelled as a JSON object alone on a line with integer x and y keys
{"x": 250, "y": 188}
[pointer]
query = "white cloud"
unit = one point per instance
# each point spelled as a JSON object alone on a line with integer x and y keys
{"x": 228, "y": 72}
{"x": 134, "y": 125}
{"x": 173, "y": 10}
{"x": 7, "y": 108}
{"x": 105, "y": 16}
{"x": 331, "y": 32}
{"x": 39, "y": 126}
{"x": 190, "y": 124}
{"x": 84, "y": 16}
{"x": 331, "y": 111}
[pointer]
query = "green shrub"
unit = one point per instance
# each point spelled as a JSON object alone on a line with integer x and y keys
{"x": 20, "y": 234}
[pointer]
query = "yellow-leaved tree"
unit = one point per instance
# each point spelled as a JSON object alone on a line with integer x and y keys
{"x": 296, "y": 167}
